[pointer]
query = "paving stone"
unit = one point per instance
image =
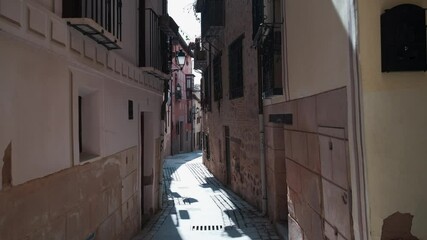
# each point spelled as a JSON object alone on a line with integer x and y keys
{"x": 219, "y": 206}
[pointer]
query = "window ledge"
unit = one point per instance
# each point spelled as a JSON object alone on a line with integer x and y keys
{"x": 274, "y": 99}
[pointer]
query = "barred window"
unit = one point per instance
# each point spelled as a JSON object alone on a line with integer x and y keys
{"x": 217, "y": 77}
{"x": 235, "y": 66}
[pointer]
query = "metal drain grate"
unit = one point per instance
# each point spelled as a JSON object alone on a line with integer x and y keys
{"x": 207, "y": 228}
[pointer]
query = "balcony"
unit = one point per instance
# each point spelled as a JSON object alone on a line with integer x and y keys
{"x": 200, "y": 62}
{"x": 101, "y": 20}
{"x": 212, "y": 17}
{"x": 168, "y": 26}
{"x": 153, "y": 45}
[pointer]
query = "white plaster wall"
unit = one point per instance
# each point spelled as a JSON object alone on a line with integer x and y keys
{"x": 130, "y": 31}
{"x": 35, "y": 110}
{"x": 36, "y": 114}
{"x": 394, "y": 128}
{"x": 317, "y": 46}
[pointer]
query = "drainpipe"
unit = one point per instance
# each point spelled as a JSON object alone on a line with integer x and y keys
{"x": 261, "y": 138}
{"x": 262, "y": 163}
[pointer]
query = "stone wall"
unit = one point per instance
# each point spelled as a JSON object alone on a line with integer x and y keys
{"x": 311, "y": 157}
{"x": 239, "y": 114}
{"x": 99, "y": 198}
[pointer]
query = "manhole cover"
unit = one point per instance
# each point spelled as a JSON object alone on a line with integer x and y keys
{"x": 207, "y": 228}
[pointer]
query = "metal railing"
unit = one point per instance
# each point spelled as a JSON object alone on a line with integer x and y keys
{"x": 107, "y": 13}
{"x": 213, "y": 14}
{"x": 155, "y": 42}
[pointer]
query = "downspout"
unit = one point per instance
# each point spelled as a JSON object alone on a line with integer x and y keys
{"x": 261, "y": 138}
{"x": 162, "y": 138}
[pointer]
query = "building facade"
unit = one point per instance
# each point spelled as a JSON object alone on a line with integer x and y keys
{"x": 230, "y": 96}
{"x": 344, "y": 135}
{"x": 180, "y": 122}
{"x": 80, "y": 130}
{"x": 197, "y": 118}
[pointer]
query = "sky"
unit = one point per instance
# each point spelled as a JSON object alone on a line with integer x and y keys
{"x": 189, "y": 27}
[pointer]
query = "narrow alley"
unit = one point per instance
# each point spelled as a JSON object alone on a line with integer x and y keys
{"x": 198, "y": 206}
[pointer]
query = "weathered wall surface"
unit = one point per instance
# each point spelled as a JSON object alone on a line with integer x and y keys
{"x": 96, "y": 198}
{"x": 311, "y": 157}
{"x": 240, "y": 114}
{"x": 41, "y": 79}
{"x": 318, "y": 45}
{"x": 395, "y": 132}
{"x": 45, "y": 66}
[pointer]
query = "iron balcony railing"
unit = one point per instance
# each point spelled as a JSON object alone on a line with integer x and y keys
{"x": 155, "y": 47}
{"x": 107, "y": 13}
{"x": 212, "y": 17}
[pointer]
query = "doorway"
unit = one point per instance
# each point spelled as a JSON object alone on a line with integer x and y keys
{"x": 181, "y": 136}
{"x": 227, "y": 154}
{"x": 142, "y": 163}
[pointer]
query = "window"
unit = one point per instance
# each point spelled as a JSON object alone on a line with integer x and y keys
{"x": 257, "y": 15}
{"x": 177, "y": 128}
{"x": 235, "y": 66}
{"x": 206, "y": 90}
{"x": 88, "y": 125}
{"x": 217, "y": 78}
{"x": 272, "y": 64}
{"x": 206, "y": 147}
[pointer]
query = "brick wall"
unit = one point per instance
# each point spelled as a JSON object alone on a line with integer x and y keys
{"x": 314, "y": 152}
{"x": 96, "y": 198}
{"x": 239, "y": 114}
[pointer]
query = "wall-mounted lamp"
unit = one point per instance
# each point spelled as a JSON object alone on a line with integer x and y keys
{"x": 180, "y": 60}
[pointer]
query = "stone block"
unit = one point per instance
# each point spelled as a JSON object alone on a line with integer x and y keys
{"x": 337, "y": 208}
{"x": 125, "y": 69}
{"x": 331, "y": 108}
{"x": 98, "y": 210}
{"x": 59, "y": 32}
{"x": 110, "y": 173}
{"x": 89, "y": 49}
{"x": 129, "y": 186}
{"x": 62, "y": 192}
{"x": 22, "y": 212}
{"x": 332, "y": 132}
{"x": 107, "y": 230}
{"x": 291, "y": 107}
{"x": 114, "y": 196}
{"x": 313, "y": 152}
{"x": 73, "y": 226}
{"x": 316, "y": 227}
{"x": 76, "y": 41}
{"x": 118, "y": 222}
{"x": 37, "y": 21}
{"x": 279, "y": 161}
{"x": 101, "y": 56}
{"x": 89, "y": 181}
{"x": 295, "y": 231}
{"x": 340, "y": 163}
{"x": 325, "y": 156}
{"x": 56, "y": 229}
{"x": 118, "y": 65}
{"x": 293, "y": 175}
{"x": 110, "y": 61}
{"x": 307, "y": 114}
{"x": 288, "y": 144}
{"x": 11, "y": 10}
{"x": 311, "y": 190}
{"x": 299, "y": 147}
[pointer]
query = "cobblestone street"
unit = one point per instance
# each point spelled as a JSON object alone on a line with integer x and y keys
{"x": 197, "y": 206}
